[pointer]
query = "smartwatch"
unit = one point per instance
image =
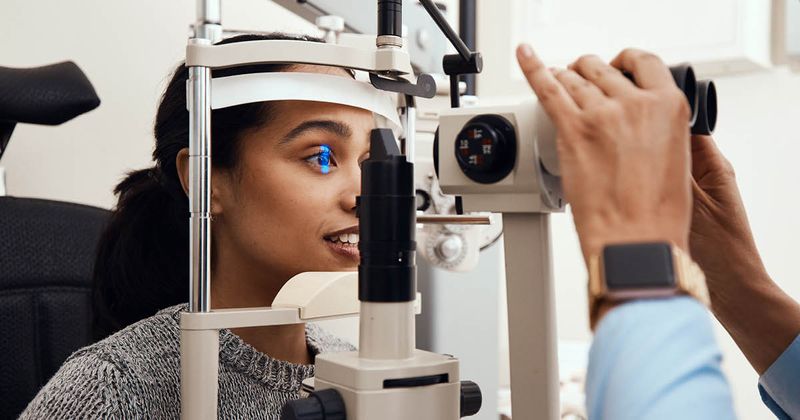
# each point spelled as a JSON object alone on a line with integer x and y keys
{"x": 640, "y": 271}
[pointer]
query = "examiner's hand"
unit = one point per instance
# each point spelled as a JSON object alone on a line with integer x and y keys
{"x": 762, "y": 319}
{"x": 624, "y": 150}
{"x": 720, "y": 239}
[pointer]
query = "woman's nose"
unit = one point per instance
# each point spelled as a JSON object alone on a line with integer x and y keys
{"x": 353, "y": 189}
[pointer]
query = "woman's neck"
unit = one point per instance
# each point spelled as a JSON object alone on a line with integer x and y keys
{"x": 282, "y": 342}
{"x": 233, "y": 285}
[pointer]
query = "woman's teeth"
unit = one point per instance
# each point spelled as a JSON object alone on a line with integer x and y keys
{"x": 345, "y": 238}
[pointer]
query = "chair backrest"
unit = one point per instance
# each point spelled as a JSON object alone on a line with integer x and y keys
{"x": 49, "y": 95}
{"x": 47, "y": 252}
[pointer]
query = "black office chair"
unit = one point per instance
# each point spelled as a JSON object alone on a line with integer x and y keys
{"x": 47, "y": 248}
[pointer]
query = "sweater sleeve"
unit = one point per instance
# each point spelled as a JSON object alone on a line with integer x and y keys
{"x": 86, "y": 387}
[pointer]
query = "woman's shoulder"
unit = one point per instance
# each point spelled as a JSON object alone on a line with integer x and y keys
{"x": 101, "y": 379}
{"x": 152, "y": 336}
{"x": 322, "y": 341}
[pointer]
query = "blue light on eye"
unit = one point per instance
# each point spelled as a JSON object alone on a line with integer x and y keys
{"x": 325, "y": 158}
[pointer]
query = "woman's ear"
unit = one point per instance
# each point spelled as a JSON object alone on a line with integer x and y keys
{"x": 220, "y": 182}
{"x": 182, "y": 166}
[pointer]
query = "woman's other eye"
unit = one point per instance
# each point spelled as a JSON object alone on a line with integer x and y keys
{"x": 323, "y": 159}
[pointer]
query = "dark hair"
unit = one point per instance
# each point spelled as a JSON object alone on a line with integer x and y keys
{"x": 142, "y": 262}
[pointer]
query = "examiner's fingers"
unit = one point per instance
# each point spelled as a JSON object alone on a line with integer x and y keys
{"x": 584, "y": 93}
{"x": 607, "y": 78}
{"x": 648, "y": 70}
{"x": 552, "y": 95}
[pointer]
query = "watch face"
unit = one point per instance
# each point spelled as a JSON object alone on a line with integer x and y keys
{"x": 638, "y": 266}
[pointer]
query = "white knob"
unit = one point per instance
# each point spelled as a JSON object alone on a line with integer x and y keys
{"x": 450, "y": 248}
{"x": 423, "y": 39}
{"x": 330, "y": 23}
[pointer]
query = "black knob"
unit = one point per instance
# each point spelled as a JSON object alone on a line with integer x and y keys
{"x": 486, "y": 148}
{"x": 321, "y": 405}
{"x": 423, "y": 200}
{"x": 471, "y": 398}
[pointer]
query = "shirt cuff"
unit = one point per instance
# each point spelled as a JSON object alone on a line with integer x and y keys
{"x": 781, "y": 381}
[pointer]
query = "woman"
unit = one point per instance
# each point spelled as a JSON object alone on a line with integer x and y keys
{"x": 276, "y": 213}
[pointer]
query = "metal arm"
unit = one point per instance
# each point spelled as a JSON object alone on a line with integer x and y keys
{"x": 465, "y": 62}
{"x": 426, "y": 49}
{"x": 445, "y": 27}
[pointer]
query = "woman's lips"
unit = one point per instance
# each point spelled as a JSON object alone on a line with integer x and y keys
{"x": 346, "y": 250}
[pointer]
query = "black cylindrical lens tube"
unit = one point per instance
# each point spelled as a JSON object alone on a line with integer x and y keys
{"x": 706, "y": 108}
{"x": 390, "y": 17}
{"x": 387, "y": 223}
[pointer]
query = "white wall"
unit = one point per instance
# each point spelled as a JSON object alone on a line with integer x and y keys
{"x": 127, "y": 49}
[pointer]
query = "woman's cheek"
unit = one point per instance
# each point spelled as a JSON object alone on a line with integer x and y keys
{"x": 296, "y": 199}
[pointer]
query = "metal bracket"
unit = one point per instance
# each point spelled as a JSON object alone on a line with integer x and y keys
{"x": 425, "y": 87}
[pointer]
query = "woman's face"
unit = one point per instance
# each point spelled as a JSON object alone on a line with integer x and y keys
{"x": 289, "y": 205}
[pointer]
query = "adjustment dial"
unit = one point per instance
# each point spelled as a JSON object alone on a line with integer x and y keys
{"x": 486, "y": 148}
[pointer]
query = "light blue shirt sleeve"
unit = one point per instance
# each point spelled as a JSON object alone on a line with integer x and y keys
{"x": 657, "y": 359}
{"x": 779, "y": 386}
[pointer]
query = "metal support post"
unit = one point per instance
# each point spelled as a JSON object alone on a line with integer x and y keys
{"x": 531, "y": 316}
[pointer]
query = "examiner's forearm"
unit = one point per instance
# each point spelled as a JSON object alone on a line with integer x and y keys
{"x": 762, "y": 319}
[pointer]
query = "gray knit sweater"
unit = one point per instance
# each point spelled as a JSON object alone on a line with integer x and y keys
{"x": 135, "y": 374}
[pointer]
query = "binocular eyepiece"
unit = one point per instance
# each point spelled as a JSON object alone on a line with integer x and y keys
{"x": 702, "y": 97}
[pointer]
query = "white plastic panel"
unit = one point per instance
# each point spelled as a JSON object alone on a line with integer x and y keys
{"x": 296, "y": 86}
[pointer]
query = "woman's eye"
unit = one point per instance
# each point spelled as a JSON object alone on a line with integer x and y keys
{"x": 322, "y": 159}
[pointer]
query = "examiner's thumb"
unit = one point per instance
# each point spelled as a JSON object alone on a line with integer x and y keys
{"x": 706, "y": 156}
{"x": 704, "y": 143}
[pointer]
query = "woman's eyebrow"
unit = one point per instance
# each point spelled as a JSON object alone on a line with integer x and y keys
{"x": 334, "y": 127}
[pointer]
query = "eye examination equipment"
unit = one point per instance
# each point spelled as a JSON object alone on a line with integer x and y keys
{"x": 499, "y": 159}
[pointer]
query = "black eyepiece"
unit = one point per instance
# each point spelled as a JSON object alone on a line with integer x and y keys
{"x": 707, "y": 108}
{"x": 702, "y": 97}
{"x": 683, "y": 74}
